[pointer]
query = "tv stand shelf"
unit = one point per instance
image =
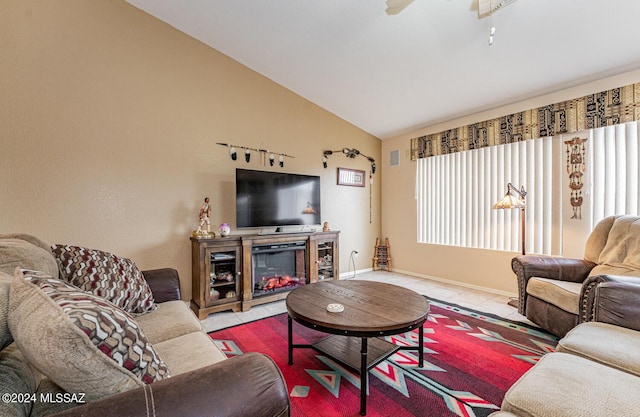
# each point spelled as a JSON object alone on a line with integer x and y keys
{"x": 222, "y": 268}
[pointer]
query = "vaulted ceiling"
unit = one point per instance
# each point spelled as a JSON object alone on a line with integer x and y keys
{"x": 432, "y": 62}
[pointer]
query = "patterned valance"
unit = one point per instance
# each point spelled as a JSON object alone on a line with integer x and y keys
{"x": 619, "y": 105}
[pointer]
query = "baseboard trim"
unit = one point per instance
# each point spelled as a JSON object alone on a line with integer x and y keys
{"x": 457, "y": 283}
{"x": 346, "y": 275}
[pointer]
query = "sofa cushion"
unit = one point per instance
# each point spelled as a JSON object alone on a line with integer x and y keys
{"x": 598, "y": 239}
{"x": 106, "y": 275}
{"x": 16, "y": 379}
{"x": 564, "y": 385}
{"x": 623, "y": 244}
{"x": 25, "y": 251}
{"x": 81, "y": 341}
{"x": 610, "y": 345}
{"x": 48, "y": 389}
{"x": 614, "y": 270}
{"x": 562, "y": 294}
{"x": 201, "y": 352}
{"x": 5, "y": 334}
{"x": 170, "y": 320}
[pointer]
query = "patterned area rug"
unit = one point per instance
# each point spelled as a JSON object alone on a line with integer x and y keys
{"x": 471, "y": 359}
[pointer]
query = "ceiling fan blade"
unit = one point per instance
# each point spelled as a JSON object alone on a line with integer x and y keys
{"x": 486, "y": 7}
{"x": 396, "y": 6}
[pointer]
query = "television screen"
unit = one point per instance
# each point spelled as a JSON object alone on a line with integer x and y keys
{"x": 265, "y": 199}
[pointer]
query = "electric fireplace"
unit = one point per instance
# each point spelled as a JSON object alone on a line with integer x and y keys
{"x": 278, "y": 267}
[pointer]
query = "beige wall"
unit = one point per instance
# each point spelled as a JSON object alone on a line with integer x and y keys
{"x": 470, "y": 267}
{"x": 108, "y": 124}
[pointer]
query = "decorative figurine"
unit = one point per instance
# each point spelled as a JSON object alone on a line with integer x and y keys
{"x": 225, "y": 230}
{"x": 204, "y": 215}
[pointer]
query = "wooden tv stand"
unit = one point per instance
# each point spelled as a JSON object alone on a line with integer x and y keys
{"x": 221, "y": 268}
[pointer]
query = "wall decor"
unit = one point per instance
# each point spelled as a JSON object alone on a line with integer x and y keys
{"x": 576, "y": 166}
{"x": 233, "y": 152}
{"x": 606, "y": 108}
{"x": 349, "y": 153}
{"x": 351, "y": 177}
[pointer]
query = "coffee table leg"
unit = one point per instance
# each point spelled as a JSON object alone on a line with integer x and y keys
{"x": 364, "y": 374}
{"x": 290, "y": 338}
{"x": 421, "y": 346}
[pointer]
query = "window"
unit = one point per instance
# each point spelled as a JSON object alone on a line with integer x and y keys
{"x": 455, "y": 194}
{"x": 614, "y": 158}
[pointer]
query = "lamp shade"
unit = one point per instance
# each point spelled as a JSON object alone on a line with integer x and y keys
{"x": 509, "y": 201}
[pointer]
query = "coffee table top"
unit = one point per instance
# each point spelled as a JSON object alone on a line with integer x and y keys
{"x": 370, "y": 308}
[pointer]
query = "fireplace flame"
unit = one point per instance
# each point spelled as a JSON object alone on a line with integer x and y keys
{"x": 276, "y": 282}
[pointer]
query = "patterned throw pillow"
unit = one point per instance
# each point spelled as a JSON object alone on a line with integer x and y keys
{"x": 82, "y": 342}
{"x": 106, "y": 275}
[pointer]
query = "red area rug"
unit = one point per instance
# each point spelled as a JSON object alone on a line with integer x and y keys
{"x": 471, "y": 359}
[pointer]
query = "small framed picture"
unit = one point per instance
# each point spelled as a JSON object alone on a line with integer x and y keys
{"x": 350, "y": 177}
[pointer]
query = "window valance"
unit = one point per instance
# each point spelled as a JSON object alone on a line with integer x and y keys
{"x": 611, "y": 107}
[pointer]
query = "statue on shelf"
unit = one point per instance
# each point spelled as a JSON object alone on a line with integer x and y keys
{"x": 204, "y": 218}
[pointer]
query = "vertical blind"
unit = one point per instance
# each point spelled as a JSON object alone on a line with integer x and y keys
{"x": 455, "y": 194}
{"x": 614, "y": 157}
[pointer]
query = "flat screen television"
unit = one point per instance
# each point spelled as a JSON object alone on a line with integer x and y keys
{"x": 267, "y": 199}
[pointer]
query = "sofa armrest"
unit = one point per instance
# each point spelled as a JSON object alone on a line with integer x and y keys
{"x": 543, "y": 266}
{"x": 164, "y": 283}
{"x": 613, "y": 299}
{"x": 248, "y": 385}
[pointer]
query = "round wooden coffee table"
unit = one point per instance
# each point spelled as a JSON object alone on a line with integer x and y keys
{"x": 371, "y": 310}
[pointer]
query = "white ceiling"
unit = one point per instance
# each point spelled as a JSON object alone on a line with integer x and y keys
{"x": 428, "y": 64}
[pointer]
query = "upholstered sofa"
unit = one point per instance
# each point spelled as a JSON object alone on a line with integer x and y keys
{"x": 558, "y": 293}
{"x": 594, "y": 372}
{"x": 595, "y": 369}
{"x": 51, "y": 364}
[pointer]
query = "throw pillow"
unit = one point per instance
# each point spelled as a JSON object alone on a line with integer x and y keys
{"x": 28, "y": 238}
{"x": 25, "y": 251}
{"x": 106, "y": 275}
{"x": 82, "y": 342}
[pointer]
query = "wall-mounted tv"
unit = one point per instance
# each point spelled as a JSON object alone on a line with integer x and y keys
{"x": 267, "y": 199}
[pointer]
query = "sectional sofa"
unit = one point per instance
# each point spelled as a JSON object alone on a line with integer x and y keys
{"x": 83, "y": 332}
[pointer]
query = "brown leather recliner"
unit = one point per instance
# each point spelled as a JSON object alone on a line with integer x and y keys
{"x": 558, "y": 293}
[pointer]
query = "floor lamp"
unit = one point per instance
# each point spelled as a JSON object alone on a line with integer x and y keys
{"x": 511, "y": 201}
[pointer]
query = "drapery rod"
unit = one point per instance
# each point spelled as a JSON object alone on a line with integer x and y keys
{"x": 265, "y": 151}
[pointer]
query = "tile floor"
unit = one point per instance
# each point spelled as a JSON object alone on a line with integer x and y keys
{"x": 467, "y": 297}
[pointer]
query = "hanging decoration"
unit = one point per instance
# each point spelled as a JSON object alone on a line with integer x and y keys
{"x": 576, "y": 166}
{"x": 264, "y": 154}
{"x": 349, "y": 153}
